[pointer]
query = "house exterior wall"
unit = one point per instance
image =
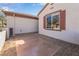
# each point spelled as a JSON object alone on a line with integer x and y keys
{"x": 71, "y": 33}
{"x": 21, "y": 25}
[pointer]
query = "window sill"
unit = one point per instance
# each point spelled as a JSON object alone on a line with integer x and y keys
{"x": 56, "y": 30}
{"x": 53, "y": 29}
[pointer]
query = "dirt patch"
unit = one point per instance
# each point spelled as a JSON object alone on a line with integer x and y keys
{"x": 9, "y": 48}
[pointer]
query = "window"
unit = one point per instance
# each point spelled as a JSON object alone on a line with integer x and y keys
{"x": 55, "y": 21}
{"x": 49, "y": 22}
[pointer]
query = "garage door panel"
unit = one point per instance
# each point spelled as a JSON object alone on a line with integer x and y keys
{"x": 25, "y": 25}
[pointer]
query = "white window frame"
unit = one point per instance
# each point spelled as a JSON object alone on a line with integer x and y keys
{"x": 53, "y": 14}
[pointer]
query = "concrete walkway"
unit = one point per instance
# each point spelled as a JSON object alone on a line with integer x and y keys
{"x": 34, "y": 44}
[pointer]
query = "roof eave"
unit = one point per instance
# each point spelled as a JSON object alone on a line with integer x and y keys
{"x": 10, "y": 13}
{"x": 42, "y": 9}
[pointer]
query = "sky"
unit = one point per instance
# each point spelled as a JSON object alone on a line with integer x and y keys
{"x": 26, "y": 8}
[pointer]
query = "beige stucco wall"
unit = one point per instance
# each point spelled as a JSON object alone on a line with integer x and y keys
{"x": 22, "y": 25}
{"x": 71, "y": 34}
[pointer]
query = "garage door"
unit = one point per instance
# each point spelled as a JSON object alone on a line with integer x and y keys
{"x": 25, "y": 25}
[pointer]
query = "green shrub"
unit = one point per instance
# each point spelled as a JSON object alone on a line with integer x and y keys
{"x": 2, "y": 21}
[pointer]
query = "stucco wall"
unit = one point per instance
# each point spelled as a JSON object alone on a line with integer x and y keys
{"x": 71, "y": 34}
{"x": 22, "y": 25}
{"x": 2, "y": 39}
